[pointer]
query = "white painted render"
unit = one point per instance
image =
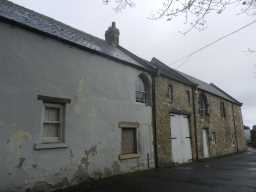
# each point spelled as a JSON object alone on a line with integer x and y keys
{"x": 102, "y": 94}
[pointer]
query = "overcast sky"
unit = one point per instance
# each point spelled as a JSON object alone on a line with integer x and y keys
{"x": 227, "y": 64}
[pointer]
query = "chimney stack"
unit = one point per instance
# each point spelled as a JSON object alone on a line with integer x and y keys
{"x": 112, "y": 35}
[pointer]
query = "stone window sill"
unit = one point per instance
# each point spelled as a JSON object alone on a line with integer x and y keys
{"x": 45, "y": 146}
{"x": 129, "y": 156}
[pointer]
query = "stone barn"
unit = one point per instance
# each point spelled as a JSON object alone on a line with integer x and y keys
{"x": 194, "y": 120}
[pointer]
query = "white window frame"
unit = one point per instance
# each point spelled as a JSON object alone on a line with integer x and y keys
{"x": 60, "y": 138}
{"x": 140, "y": 92}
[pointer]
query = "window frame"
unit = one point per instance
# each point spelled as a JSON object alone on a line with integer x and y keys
{"x": 203, "y": 105}
{"x": 147, "y": 94}
{"x": 143, "y": 93}
{"x": 61, "y": 122}
{"x": 188, "y": 96}
{"x": 222, "y": 109}
{"x": 52, "y": 143}
{"x": 129, "y": 125}
{"x": 170, "y": 93}
{"x": 135, "y": 144}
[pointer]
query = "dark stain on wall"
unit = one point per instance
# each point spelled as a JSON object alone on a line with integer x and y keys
{"x": 21, "y": 162}
{"x": 116, "y": 168}
{"x": 71, "y": 154}
{"x": 82, "y": 172}
{"x": 41, "y": 186}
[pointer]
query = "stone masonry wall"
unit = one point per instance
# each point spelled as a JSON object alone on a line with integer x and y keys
{"x": 239, "y": 128}
{"x": 164, "y": 107}
{"x": 228, "y": 129}
{"x": 226, "y": 134}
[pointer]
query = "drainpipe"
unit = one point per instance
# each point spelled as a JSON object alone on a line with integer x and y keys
{"x": 195, "y": 121}
{"x": 234, "y": 122}
{"x": 154, "y": 83}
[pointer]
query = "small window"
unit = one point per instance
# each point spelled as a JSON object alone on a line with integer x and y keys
{"x": 170, "y": 93}
{"x": 53, "y": 122}
{"x": 129, "y": 140}
{"x": 188, "y": 97}
{"x": 222, "y": 109}
{"x": 203, "y": 105}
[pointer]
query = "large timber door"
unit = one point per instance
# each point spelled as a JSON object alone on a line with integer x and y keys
{"x": 180, "y": 139}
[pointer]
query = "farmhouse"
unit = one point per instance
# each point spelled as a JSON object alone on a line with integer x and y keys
{"x": 75, "y": 107}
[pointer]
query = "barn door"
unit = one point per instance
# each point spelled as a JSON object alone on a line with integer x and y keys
{"x": 180, "y": 139}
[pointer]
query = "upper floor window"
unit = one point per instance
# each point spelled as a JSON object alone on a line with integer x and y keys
{"x": 203, "y": 105}
{"x": 188, "y": 97}
{"x": 143, "y": 89}
{"x": 170, "y": 93}
{"x": 222, "y": 109}
{"x": 140, "y": 91}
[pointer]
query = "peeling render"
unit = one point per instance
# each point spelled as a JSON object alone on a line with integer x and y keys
{"x": 102, "y": 94}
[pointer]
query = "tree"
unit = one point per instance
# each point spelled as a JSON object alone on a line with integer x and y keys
{"x": 193, "y": 11}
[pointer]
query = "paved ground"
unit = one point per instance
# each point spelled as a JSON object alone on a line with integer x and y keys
{"x": 233, "y": 173}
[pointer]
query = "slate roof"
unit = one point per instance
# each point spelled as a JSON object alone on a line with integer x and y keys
{"x": 170, "y": 73}
{"x": 208, "y": 87}
{"x": 28, "y": 18}
{"x": 143, "y": 61}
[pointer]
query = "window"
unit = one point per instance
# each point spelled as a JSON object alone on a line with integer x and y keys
{"x": 143, "y": 90}
{"x": 53, "y": 122}
{"x": 129, "y": 144}
{"x": 129, "y": 140}
{"x": 170, "y": 93}
{"x": 203, "y": 105}
{"x": 140, "y": 91}
{"x": 188, "y": 97}
{"x": 222, "y": 109}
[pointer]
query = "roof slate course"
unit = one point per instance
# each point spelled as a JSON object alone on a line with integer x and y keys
{"x": 208, "y": 87}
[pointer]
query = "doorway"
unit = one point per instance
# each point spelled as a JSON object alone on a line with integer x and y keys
{"x": 180, "y": 139}
{"x": 205, "y": 139}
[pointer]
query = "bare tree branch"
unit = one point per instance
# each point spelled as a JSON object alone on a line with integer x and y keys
{"x": 194, "y": 11}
